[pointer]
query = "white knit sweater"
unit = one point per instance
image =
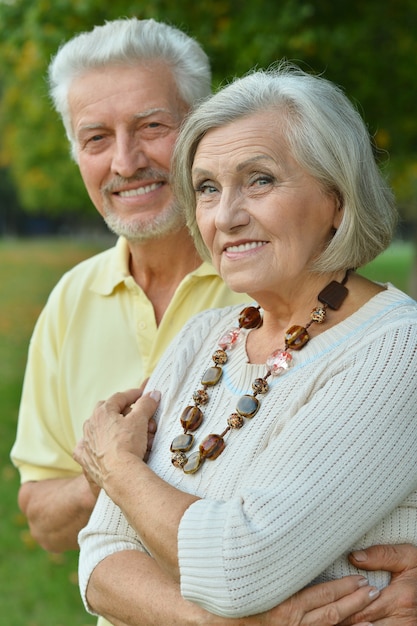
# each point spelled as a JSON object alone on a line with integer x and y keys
{"x": 328, "y": 464}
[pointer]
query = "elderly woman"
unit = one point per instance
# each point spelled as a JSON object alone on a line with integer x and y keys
{"x": 286, "y": 433}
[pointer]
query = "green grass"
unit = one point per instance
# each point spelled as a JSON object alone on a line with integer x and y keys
{"x": 37, "y": 588}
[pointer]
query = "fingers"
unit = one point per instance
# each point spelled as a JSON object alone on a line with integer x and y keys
{"x": 391, "y": 558}
{"x": 122, "y": 400}
{"x": 396, "y": 605}
{"x": 325, "y": 593}
{"x": 146, "y": 405}
{"x": 335, "y": 612}
{"x": 77, "y": 453}
{"x": 331, "y": 603}
{"x": 326, "y": 604}
{"x": 130, "y": 403}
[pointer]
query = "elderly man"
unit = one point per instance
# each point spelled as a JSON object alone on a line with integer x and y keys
{"x": 122, "y": 91}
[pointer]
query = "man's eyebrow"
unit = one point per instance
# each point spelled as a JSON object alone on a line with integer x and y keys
{"x": 149, "y": 112}
{"x": 138, "y": 116}
{"x": 87, "y": 127}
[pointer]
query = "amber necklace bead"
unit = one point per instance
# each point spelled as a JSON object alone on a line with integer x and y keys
{"x": 295, "y": 338}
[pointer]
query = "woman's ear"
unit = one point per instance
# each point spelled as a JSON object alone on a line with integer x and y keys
{"x": 339, "y": 207}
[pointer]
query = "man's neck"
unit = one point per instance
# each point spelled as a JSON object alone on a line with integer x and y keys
{"x": 158, "y": 267}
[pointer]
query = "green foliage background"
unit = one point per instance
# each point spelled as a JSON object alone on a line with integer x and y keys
{"x": 369, "y": 48}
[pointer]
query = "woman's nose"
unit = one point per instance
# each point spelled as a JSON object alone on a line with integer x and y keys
{"x": 231, "y": 211}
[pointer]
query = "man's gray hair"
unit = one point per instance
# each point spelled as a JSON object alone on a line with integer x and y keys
{"x": 129, "y": 42}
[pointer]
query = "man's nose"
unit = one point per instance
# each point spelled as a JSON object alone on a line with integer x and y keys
{"x": 128, "y": 157}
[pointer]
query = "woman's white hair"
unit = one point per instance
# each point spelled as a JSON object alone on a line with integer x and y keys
{"x": 326, "y": 136}
{"x": 129, "y": 42}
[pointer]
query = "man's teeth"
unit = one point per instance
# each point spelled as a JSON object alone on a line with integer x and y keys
{"x": 246, "y": 246}
{"x": 139, "y": 191}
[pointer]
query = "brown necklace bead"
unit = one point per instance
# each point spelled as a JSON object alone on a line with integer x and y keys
{"x": 179, "y": 459}
{"x": 260, "y": 385}
{"x": 250, "y": 317}
{"x": 296, "y": 337}
{"x": 200, "y": 397}
{"x": 235, "y": 421}
{"x": 212, "y": 446}
{"x": 191, "y": 418}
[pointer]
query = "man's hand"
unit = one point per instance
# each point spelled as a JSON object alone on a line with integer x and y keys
{"x": 326, "y": 604}
{"x": 57, "y": 509}
{"x": 397, "y": 604}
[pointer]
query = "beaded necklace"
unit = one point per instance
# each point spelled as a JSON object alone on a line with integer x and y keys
{"x": 295, "y": 338}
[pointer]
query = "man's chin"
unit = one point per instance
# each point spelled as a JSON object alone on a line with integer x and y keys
{"x": 143, "y": 232}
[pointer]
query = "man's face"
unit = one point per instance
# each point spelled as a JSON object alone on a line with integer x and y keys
{"x": 125, "y": 121}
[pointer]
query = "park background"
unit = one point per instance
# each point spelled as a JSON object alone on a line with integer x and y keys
{"x": 47, "y": 223}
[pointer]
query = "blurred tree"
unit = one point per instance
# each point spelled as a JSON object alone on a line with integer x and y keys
{"x": 368, "y": 47}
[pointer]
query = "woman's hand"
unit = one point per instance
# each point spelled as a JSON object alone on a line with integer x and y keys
{"x": 114, "y": 432}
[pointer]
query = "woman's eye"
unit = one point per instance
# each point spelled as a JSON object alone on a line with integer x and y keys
{"x": 205, "y": 189}
{"x": 262, "y": 180}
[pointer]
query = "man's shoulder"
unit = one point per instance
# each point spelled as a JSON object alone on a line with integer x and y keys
{"x": 92, "y": 263}
{"x": 82, "y": 276}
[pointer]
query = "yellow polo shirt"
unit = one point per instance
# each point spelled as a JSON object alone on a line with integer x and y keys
{"x": 96, "y": 335}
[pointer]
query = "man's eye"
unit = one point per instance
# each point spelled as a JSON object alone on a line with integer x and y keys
{"x": 93, "y": 139}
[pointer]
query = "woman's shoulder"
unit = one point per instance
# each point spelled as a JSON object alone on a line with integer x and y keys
{"x": 394, "y": 303}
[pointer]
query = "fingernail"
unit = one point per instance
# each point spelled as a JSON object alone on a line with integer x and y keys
{"x": 359, "y": 556}
{"x": 155, "y": 395}
{"x": 363, "y": 582}
{"x": 374, "y": 593}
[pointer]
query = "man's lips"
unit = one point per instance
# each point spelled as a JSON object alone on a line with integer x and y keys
{"x": 245, "y": 247}
{"x": 139, "y": 191}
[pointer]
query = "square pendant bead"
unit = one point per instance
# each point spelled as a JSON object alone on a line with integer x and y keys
{"x": 333, "y": 295}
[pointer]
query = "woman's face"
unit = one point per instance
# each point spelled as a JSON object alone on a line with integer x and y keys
{"x": 263, "y": 218}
